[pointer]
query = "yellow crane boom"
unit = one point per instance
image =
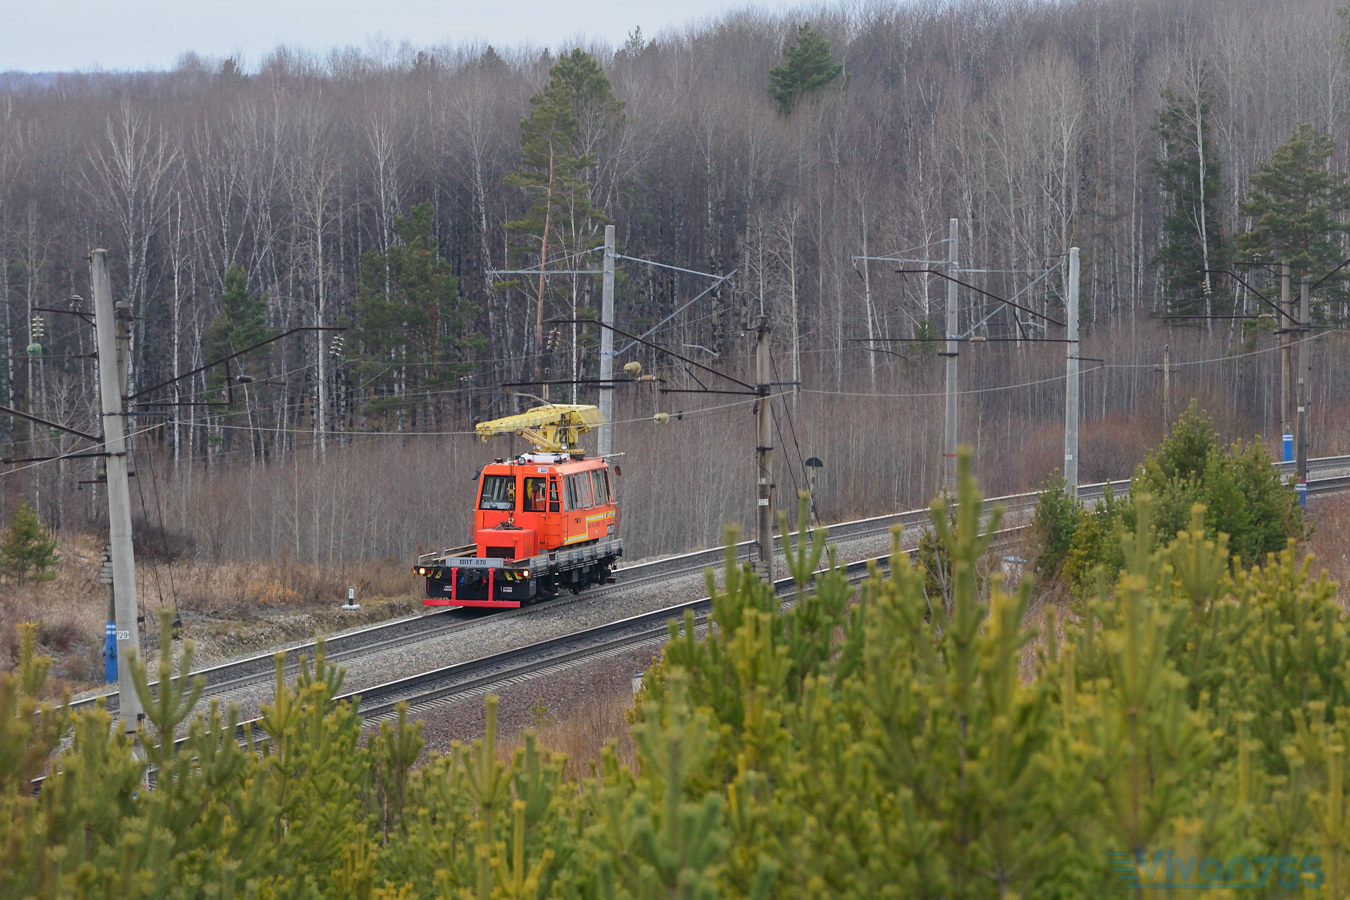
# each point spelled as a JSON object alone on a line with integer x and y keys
{"x": 553, "y": 428}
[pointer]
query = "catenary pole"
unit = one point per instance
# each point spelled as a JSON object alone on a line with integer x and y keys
{"x": 1305, "y": 320}
{"x": 604, "y": 437}
{"x": 1071, "y": 385}
{"x": 949, "y": 452}
{"x": 110, "y": 368}
{"x": 764, "y": 451}
{"x": 1284, "y": 323}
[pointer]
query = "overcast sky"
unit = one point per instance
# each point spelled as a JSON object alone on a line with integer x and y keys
{"x": 66, "y": 35}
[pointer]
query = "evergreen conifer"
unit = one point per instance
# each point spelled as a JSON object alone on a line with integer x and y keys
{"x": 26, "y": 548}
{"x": 1297, "y": 205}
{"x": 1190, "y": 177}
{"x": 411, "y": 339}
{"x": 807, "y": 66}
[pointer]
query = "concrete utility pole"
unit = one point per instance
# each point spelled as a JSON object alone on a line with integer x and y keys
{"x": 1285, "y": 321}
{"x": 764, "y": 450}
{"x": 110, "y": 329}
{"x": 1071, "y": 384}
{"x": 1305, "y": 320}
{"x": 604, "y": 437}
{"x": 949, "y": 453}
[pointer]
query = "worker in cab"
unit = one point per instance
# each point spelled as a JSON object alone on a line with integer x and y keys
{"x": 536, "y": 495}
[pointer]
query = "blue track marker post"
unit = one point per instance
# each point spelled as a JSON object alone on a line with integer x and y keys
{"x": 105, "y": 575}
{"x": 110, "y": 653}
{"x": 1300, "y": 487}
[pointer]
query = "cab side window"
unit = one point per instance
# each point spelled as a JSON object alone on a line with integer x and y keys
{"x": 584, "y": 489}
{"x": 535, "y": 495}
{"x": 601, "y": 486}
{"x": 573, "y": 501}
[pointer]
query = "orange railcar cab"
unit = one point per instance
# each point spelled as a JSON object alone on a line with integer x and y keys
{"x": 538, "y": 504}
{"x": 544, "y": 521}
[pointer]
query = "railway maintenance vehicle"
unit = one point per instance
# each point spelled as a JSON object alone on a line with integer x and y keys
{"x": 544, "y": 522}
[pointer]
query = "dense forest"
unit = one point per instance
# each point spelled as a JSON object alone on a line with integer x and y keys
{"x": 412, "y": 194}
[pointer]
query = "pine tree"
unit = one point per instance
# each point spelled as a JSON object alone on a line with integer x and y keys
{"x": 241, "y": 322}
{"x": 412, "y": 337}
{"x": 1057, "y": 517}
{"x": 807, "y": 66}
{"x": 558, "y": 142}
{"x": 1189, "y": 176}
{"x": 26, "y": 546}
{"x": 1297, "y": 205}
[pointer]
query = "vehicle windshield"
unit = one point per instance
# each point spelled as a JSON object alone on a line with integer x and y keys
{"x": 499, "y": 492}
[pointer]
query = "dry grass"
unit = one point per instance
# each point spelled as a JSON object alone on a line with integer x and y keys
{"x": 71, "y": 611}
{"x": 584, "y": 733}
{"x": 581, "y": 734}
{"x": 226, "y": 607}
{"x": 1329, "y": 518}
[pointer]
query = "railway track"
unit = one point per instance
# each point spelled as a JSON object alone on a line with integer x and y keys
{"x": 259, "y": 667}
{"x": 468, "y": 679}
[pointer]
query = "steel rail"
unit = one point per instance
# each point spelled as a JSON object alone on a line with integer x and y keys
{"x": 452, "y": 682}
